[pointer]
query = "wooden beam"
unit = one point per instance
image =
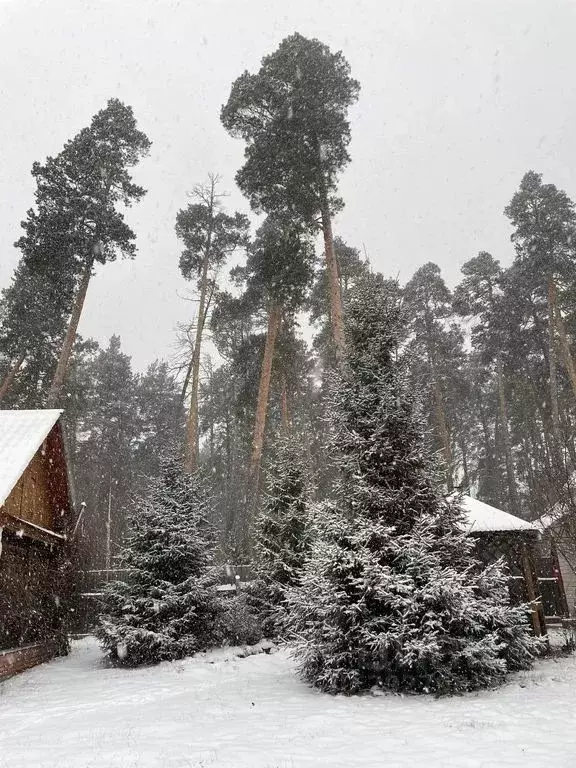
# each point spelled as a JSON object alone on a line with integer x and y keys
{"x": 537, "y": 616}
{"x": 29, "y": 530}
{"x": 17, "y": 660}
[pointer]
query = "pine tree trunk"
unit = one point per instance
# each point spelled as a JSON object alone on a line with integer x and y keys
{"x": 228, "y": 472}
{"x": 465, "y": 472}
{"x": 186, "y": 380}
{"x": 542, "y": 429}
{"x": 569, "y": 432}
{"x": 62, "y": 367}
{"x": 564, "y": 343}
{"x": 555, "y": 411}
{"x": 336, "y": 314}
{"x": 440, "y": 412}
{"x": 11, "y": 376}
{"x": 487, "y": 479}
{"x": 211, "y": 423}
{"x": 502, "y": 407}
{"x": 284, "y": 406}
{"x": 274, "y": 317}
{"x": 192, "y": 443}
{"x": 443, "y": 431}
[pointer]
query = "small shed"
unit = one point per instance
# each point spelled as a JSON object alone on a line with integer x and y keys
{"x": 500, "y": 534}
{"x": 35, "y": 521}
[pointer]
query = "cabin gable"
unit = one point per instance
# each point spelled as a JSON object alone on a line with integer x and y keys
{"x": 35, "y": 525}
{"x": 39, "y": 504}
{"x": 30, "y": 499}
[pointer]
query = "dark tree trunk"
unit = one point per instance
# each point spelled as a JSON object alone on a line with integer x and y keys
{"x": 336, "y": 313}
{"x": 274, "y": 317}
{"x": 552, "y": 370}
{"x": 510, "y": 470}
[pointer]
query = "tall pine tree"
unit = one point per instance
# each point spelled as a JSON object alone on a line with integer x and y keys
{"x": 293, "y": 115}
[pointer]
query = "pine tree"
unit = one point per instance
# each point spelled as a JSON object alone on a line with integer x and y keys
{"x": 391, "y": 594}
{"x": 168, "y": 607}
{"x": 78, "y": 222}
{"x": 104, "y": 462}
{"x": 479, "y": 296}
{"x": 283, "y": 535}
{"x": 439, "y": 345}
{"x": 210, "y": 236}
{"x": 292, "y": 114}
{"x": 544, "y": 221}
{"x": 278, "y": 272}
{"x": 34, "y": 311}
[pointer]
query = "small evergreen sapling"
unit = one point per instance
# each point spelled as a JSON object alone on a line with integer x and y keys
{"x": 282, "y": 533}
{"x": 391, "y": 594}
{"x": 168, "y": 607}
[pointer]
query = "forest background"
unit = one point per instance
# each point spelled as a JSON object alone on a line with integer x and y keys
{"x": 418, "y": 191}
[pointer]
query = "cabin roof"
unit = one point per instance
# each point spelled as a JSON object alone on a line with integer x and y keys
{"x": 484, "y": 518}
{"x": 21, "y": 435}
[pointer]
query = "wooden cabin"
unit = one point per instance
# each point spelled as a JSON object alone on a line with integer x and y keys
{"x": 36, "y": 516}
{"x": 500, "y": 534}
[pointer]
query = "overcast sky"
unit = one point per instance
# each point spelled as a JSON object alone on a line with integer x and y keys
{"x": 459, "y": 98}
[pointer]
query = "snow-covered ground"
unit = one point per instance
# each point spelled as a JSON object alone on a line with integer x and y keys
{"x": 229, "y": 712}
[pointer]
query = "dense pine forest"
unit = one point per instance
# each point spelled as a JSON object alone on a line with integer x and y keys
{"x": 491, "y": 356}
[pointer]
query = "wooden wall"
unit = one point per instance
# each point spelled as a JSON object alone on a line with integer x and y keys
{"x": 41, "y": 495}
{"x": 35, "y": 568}
{"x": 30, "y": 499}
{"x": 32, "y": 601}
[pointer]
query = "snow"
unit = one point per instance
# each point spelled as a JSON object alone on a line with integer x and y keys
{"x": 221, "y": 711}
{"x": 21, "y": 435}
{"x": 546, "y": 521}
{"x": 483, "y": 517}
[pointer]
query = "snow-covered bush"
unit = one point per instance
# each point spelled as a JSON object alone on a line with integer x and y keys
{"x": 391, "y": 594}
{"x": 169, "y": 606}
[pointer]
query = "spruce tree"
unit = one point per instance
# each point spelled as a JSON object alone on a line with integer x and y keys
{"x": 391, "y": 594}
{"x": 283, "y": 533}
{"x": 168, "y": 606}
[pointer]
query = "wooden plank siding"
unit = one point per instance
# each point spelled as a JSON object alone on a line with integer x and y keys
{"x": 35, "y": 567}
{"x": 41, "y": 495}
{"x": 30, "y": 499}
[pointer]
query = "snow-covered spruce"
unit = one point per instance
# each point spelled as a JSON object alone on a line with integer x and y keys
{"x": 168, "y": 607}
{"x": 282, "y": 535}
{"x": 391, "y": 594}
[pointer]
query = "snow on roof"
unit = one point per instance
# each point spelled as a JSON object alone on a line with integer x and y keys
{"x": 483, "y": 517}
{"x": 555, "y": 516}
{"x": 546, "y": 521}
{"x": 21, "y": 435}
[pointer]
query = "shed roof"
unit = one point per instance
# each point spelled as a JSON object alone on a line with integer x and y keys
{"x": 484, "y": 518}
{"x": 21, "y": 435}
